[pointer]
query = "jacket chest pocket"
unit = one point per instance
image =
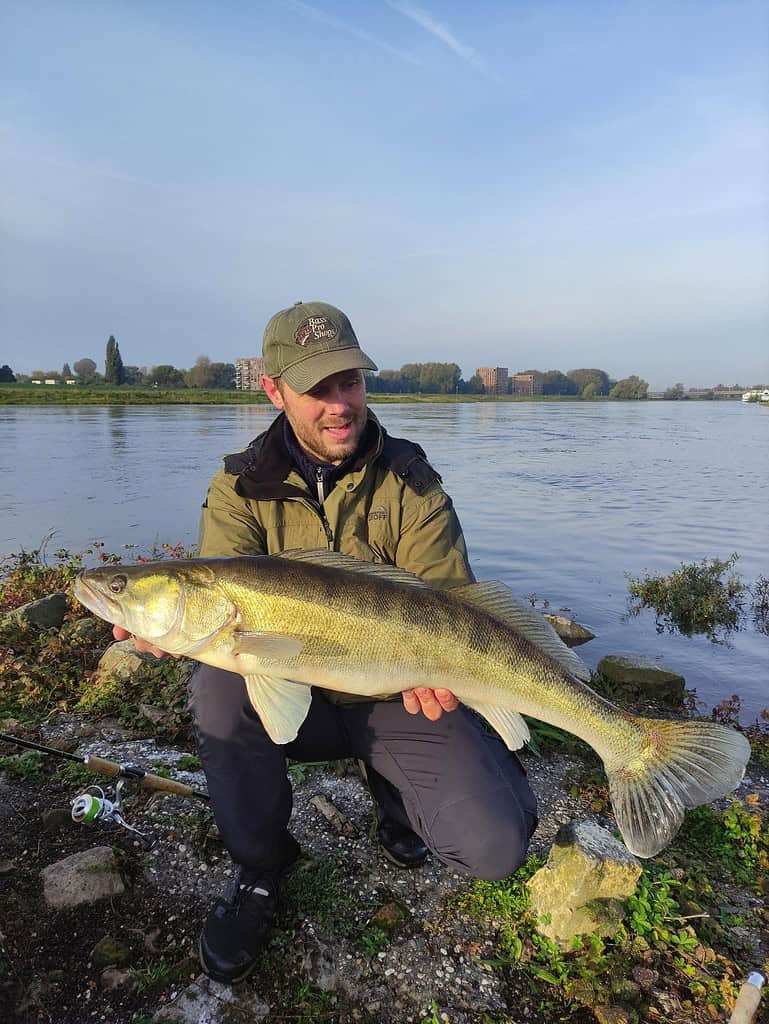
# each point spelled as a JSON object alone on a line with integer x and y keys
{"x": 294, "y": 528}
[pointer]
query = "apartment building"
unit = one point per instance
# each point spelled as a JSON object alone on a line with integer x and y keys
{"x": 527, "y": 383}
{"x": 495, "y": 379}
{"x": 248, "y": 374}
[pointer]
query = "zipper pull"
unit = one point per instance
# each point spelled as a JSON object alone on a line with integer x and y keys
{"x": 319, "y": 483}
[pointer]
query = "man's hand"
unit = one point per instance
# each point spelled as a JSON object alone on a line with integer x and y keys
{"x": 431, "y": 702}
{"x": 143, "y": 646}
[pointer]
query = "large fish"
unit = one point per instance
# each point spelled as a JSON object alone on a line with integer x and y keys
{"x": 317, "y": 618}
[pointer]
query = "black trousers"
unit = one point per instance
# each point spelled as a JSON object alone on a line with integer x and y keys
{"x": 450, "y": 781}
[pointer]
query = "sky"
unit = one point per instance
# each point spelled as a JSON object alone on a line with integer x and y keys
{"x": 544, "y": 185}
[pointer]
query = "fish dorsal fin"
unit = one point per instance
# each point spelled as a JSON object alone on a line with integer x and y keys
{"x": 281, "y": 705}
{"x": 499, "y": 600}
{"x": 334, "y": 560}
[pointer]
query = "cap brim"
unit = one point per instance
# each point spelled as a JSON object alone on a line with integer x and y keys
{"x": 306, "y": 374}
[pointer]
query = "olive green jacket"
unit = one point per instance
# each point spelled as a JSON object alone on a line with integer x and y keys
{"x": 388, "y": 507}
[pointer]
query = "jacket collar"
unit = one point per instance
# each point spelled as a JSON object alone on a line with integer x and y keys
{"x": 265, "y": 465}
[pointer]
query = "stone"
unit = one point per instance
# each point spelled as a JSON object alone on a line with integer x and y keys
{"x": 571, "y": 632}
{"x": 87, "y": 630}
{"x": 84, "y": 877}
{"x": 45, "y": 613}
{"x": 626, "y": 991}
{"x": 611, "y": 1015}
{"x": 646, "y": 977}
{"x": 120, "y": 660}
{"x": 110, "y": 951}
{"x": 639, "y": 676}
{"x": 318, "y": 963}
{"x": 210, "y": 1002}
{"x": 582, "y": 887}
{"x": 390, "y": 916}
{"x": 114, "y": 980}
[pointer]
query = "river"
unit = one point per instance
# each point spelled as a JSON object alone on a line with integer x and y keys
{"x": 560, "y": 499}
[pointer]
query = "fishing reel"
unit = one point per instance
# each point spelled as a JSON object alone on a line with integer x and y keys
{"x": 93, "y": 805}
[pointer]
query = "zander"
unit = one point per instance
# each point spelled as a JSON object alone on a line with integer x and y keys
{"x": 317, "y": 618}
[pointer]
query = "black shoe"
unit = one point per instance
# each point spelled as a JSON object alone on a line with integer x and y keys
{"x": 400, "y": 845}
{"x": 238, "y": 925}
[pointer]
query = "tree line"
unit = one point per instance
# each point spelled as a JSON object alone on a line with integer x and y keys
{"x": 204, "y": 374}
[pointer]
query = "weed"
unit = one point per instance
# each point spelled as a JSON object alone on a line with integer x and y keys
{"x": 736, "y": 839}
{"x": 435, "y": 1016}
{"x": 189, "y": 763}
{"x": 153, "y": 976}
{"x": 28, "y": 765}
{"x": 590, "y": 787}
{"x": 373, "y": 940}
{"x": 76, "y": 775}
{"x": 695, "y": 598}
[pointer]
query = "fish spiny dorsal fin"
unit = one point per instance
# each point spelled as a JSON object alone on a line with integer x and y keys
{"x": 333, "y": 560}
{"x": 499, "y": 600}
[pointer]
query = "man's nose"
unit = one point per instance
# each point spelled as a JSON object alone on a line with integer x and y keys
{"x": 337, "y": 398}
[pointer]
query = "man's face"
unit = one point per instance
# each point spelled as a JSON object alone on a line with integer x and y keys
{"x": 328, "y": 420}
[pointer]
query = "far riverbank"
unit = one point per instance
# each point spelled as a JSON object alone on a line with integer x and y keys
{"x": 36, "y": 394}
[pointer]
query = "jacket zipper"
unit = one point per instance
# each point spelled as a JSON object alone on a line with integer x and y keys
{"x": 321, "y": 511}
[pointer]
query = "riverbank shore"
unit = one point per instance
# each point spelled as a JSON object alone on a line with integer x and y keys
{"x": 29, "y": 394}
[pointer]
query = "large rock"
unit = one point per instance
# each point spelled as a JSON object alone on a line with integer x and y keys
{"x": 87, "y": 630}
{"x": 209, "y": 1002}
{"x": 581, "y": 888}
{"x": 82, "y": 878}
{"x": 45, "y": 613}
{"x": 120, "y": 661}
{"x": 571, "y": 632}
{"x": 639, "y": 676}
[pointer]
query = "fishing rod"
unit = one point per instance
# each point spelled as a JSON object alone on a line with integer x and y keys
{"x": 87, "y": 808}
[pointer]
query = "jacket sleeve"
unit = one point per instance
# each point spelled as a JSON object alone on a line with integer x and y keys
{"x": 431, "y": 543}
{"x": 228, "y": 525}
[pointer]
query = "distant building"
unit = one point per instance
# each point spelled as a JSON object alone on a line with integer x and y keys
{"x": 70, "y": 380}
{"x": 527, "y": 383}
{"x": 50, "y": 380}
{"x": 248, "y": 374}
{"x": 494, "y": 379}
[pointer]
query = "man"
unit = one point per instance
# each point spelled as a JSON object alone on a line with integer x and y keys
{"x": 327, "y": 475}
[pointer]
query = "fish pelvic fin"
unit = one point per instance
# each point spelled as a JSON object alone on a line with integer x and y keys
{"x": 682, "y": 765}
{"x": 508, "y": 724}
{"x": 282, "y": 705}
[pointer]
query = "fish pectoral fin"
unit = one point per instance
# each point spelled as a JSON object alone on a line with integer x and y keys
{"x": 510, "y": 726}
{"x": 498, "y": 600}
{"x": 266, "y": 645}
{"x": 281, "y": 705}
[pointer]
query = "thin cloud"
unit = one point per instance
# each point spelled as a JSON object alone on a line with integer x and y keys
{"x": 323, "y": 18}
{"x": 443, "y": 33}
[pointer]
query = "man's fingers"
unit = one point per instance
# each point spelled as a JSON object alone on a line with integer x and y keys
{"x": 446, "y": 699}
{"x": 119, "y": 633}
{"x": 411, "y": 702}
{"x": 432, "y": 703}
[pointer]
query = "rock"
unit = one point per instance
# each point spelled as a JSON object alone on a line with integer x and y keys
{"x": 87, "y": 630}
{"x": 318, "y": 963}
{"x": 45, "y": 613}
{"x": 7, "y": 867}
{"x": 110, "y": 951}
{"x": 611, "y": 1015}
{"x": 571, "y": 632}
{"x": 645, "y": 977}
{"x": 638, "y": 676}
{"x": 390, "y": 916}
{"x": 587, "y": 875}
{"x": 120, "y": 660}
{"x": 626, "y": 991}
{"x": 114, "y": 980}
{"x": 82, "y": 878}
{"x": 209, "y": 1002}
{"x": 55, "y": 819}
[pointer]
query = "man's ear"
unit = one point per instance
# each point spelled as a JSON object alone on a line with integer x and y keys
{"x": 272, "y": 391}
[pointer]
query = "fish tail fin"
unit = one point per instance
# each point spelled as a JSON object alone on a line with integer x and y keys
{"x": 680, "y": 765}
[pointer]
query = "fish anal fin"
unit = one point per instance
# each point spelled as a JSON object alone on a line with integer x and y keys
{"x": 508, "y": 724}
{"x": 281, "y": 705}
{"x": 498, "y": 600}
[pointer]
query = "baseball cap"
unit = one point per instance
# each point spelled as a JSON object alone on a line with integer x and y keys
{"x": 308, "y": 342}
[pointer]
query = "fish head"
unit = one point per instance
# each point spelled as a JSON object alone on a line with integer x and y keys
{"x": 174, "y": 605}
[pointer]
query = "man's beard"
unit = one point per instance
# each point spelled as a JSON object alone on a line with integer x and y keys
{"x": 326, "y": 449}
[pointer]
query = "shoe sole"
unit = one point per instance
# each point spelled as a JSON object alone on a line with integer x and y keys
{"x": 215, "y": 976}
{"x": 402, "y": 864}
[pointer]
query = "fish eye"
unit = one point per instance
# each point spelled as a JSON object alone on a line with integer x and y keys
{"x": 118, "y": 584}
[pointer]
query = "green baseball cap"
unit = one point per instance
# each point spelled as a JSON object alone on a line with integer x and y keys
{"x": 308, "y": 342}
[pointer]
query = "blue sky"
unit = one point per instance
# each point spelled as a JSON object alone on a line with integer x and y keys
{"x": 527, "y": 184}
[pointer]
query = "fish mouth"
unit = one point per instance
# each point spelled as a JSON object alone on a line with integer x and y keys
{"x": 95, "y": 600}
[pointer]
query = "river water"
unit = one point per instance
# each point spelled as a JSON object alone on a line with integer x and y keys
{"x": 559, "y": 499}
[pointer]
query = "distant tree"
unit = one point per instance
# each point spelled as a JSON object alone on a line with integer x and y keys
{"x": 590, "y": 390}
{"x": 7, "y": 376}
{"x": 410, "y": 374}
{"x": 556, "y": 383}
{"x": 200, "y": 375}
{"x": 439, "y": 378}
{"x": 132, "y": 375}
{"x": 113, "y": 367}
{"x": 675, "y": 394}
{"x": 166, "y": 376}
{"x": 85, "y": 370}
{"x": 584, "y": 377}
{"x": 629, "y": 387}
{"x": 473, "y": 386}
{"x": 390, "y": 382}
{"x": 223, "y": 376}
{"x": 66, "y": 372}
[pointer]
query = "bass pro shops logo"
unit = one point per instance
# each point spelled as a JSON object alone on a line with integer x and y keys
{"x": 316, "y": 328}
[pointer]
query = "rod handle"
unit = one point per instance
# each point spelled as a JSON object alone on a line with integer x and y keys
{"x": 748, "y": 999}
{"x": 147, "y": 780}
